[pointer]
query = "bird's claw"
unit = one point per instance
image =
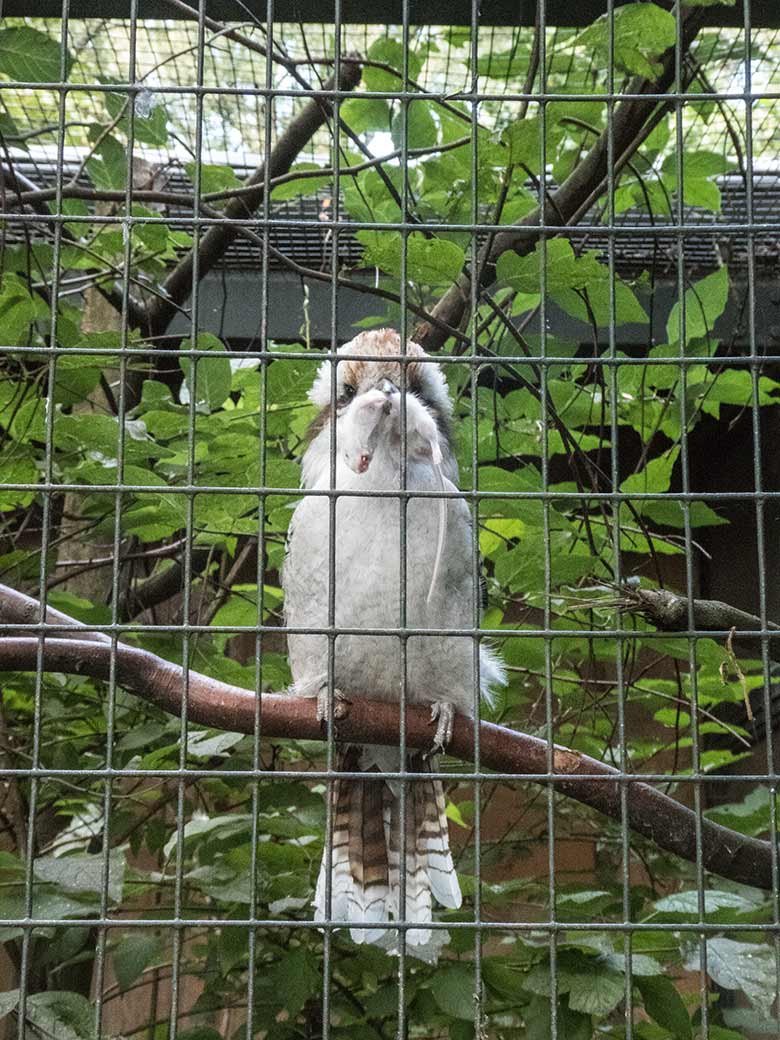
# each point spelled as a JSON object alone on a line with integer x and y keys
{"x": 340, "y": 704}
{"x": 443, "y": 714}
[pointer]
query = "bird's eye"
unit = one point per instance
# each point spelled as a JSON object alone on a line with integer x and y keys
{"x": 348, "y": 392}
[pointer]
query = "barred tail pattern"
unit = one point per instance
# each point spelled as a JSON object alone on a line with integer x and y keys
{"x": 366, "y": 853}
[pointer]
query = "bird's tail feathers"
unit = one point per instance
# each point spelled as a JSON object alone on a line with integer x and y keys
{"x": 365, "y": 861}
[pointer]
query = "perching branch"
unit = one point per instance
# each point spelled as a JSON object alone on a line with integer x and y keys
{"x": 588, "y": 180}
{"x": 669, "y": 824}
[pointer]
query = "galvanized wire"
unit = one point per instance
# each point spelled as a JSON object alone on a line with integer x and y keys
{"x": 259, "y": 101}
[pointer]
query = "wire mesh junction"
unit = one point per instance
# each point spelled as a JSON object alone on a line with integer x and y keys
{"x": 580, "y": 227}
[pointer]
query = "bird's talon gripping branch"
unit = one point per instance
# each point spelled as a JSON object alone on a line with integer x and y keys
{"x": 340, "y": 704}
{"x": 443, "y": 714}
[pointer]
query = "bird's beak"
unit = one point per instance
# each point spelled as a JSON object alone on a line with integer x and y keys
{"x": 387, "y": 386}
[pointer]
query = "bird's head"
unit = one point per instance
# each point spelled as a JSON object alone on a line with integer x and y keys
{"x": 368, "y": 393}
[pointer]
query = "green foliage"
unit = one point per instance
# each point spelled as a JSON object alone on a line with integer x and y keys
{"x": 429, "y": 261}
{"x": 210, "y": 447}
{"x": 28, "y": 55}
{"x": 635, "y": 35}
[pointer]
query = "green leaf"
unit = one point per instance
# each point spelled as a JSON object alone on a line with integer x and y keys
{"x": 207, "y": 743}
{"x": 572, "y": 1025}
{"x": 656, "y": 476}
{"x": 734, "y": 965}
{"x": 17, "y": 311}
{"x": 8, "y": 1002}
{"x": 665, "y": 1005}
{"x": 295, "y": 979}
{"x": 430, "y": 261}
{"x": 579, "y": 284}
{"x": 735, "y": 386}
{"x": 702, "y": 193}
{"x": 597, "y": 990}
{"x": 563, "y": 269}
{"x": 366, "y": 114}
{"x": 64, "y": 1015}
{"x": 461, "y": 1030}
{"x": 17, "y": 471}
{"x": 641, "y": 33}
{"x": 133, "y": 954}
{"x": 594, "y": 303}
{"x": 31, "y": 56}
{"x": 201, "y": 826}
{"x": 704, "y": 303}
{"x": 213, "y": 178}
{"x": 303, "y": 186}
{"x": 503, "y": 977}
{"x": 453, "y": 990}
{"x": 213, "y": 376}
{"x": 686, "y": 904}
{"x": 390, "y": 52}
{"x": 107, "y": 168}
{"x": 672, "y": 514}
{"x": 150, "y": 124}
{"x": 75, "y": 378}
{"x": 141, "y": 736}
{"x": 84, "y": 872}
{"x": 420, "y": 126}
{"x": 455, "y": 811}
{"x": 433, "y": 261}
{"x": 523, "y": 139}
{"x": 750, "y": 816}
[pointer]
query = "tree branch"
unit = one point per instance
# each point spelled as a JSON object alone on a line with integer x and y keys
{"x": 215, "y": 241}
{"x": 161, "y": 586}
{"x": 669, "y": 824}
{"x": 23, "y": 186}
{"x": 569, "y": 203}
{"x": 670, "y": 612}
{"x": 184, "y": 198}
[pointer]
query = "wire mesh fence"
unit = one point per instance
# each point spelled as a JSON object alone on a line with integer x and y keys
{"x": 228, "y": 469}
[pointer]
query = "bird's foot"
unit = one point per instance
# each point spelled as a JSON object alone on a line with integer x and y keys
{"x": 443, "y": 714}
{"x": 340, "y": 704}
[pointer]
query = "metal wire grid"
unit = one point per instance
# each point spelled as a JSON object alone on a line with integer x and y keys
{"x": 168, "y": 60}
{"x": 181, "y": 920}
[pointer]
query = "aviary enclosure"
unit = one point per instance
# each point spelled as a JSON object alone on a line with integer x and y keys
{"x": 575, "y": 210}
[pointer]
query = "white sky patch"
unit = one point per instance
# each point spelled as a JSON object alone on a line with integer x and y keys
{"x": 380, "y": 143}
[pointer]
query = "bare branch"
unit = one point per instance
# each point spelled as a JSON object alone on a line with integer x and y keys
{"x": 672, "y": 613}
{"x": 669, "y": 824}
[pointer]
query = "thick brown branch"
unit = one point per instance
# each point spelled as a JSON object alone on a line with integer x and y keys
{"x": 214, "y": 243}
{"x": 581, "y": 188}
{"x": 669, "y": 824}
{"x": 670, "y": 612}
{"x": 664, "y": 821}
{"x": 16, "y": 608}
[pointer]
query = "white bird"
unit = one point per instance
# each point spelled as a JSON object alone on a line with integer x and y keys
{"x": 440, "y": 671}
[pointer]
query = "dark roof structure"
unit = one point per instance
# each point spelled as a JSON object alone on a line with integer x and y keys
{"x": 710, "y": 239}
